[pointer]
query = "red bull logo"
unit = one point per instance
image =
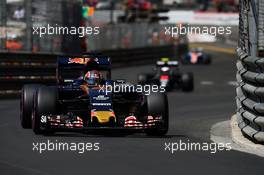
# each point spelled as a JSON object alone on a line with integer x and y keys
{"x": 78, "y": 60}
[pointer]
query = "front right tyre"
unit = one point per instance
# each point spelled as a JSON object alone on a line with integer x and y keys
{"x": 187, "y": 82}
{"x": 157, "y": 105}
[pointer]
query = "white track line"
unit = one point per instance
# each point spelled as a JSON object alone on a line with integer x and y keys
{"x": 210, "y": 83}
{"x": 207, "y": 83}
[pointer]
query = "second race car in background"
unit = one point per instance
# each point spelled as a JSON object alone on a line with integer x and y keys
{"x": 167, "y": 74}
{"x": 196, "y": 56}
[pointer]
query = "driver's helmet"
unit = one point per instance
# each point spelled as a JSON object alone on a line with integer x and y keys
{"x": 197, "y": 50}
{"x": 92, "y": 77}
{"x": 165, "y": 60}
{"x": 200, "y": 49}
{"x": 194, "y": 50}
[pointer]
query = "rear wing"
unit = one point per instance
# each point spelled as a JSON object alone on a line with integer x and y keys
{"x": 167, "y": 63}
{"x": 71, "y": 68}
{"x": 101, "y": 61}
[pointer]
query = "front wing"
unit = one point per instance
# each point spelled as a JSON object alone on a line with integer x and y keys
{"x": 77, "y": 124}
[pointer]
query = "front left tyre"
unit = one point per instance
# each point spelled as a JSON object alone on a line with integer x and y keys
{"x": 26, "y": 104}
{"x": 142, "y": 79}
{"x": 45, "y": 103}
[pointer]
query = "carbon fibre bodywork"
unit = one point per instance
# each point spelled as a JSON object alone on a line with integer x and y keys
{"x": 100, "y": 109}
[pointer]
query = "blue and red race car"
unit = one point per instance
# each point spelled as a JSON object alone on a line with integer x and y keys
{"x": 83, "y": 100}
{"x": 196, "y": 56}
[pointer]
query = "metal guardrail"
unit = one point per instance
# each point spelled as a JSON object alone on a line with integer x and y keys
{"x": 250, "y": 76}
{"x": 17, "y": 69}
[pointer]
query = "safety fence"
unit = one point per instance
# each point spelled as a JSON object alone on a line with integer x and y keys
{"x": 250, "y": 74}
{"x": 132, "y": 35}
{"x": 19, "y": 17}
{"x": 17, "y": 69}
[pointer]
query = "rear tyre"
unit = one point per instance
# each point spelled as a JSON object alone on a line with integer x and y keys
{"x": 157, "y": 105}
{"x": 184, "y": 60}
{"x": 45, "y": 103}
{"x": 208, "y": 60}
{"x": 187, "y": 82}
{"x": 26, "y": 104}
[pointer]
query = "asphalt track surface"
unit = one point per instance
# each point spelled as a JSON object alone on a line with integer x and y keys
{"x": 191, "y": 117}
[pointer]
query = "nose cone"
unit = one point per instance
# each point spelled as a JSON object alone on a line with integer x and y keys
{"x": 104, "y": 117}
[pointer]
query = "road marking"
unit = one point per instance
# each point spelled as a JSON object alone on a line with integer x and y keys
{"x": 210, "y": 83}
{"x": 207, "y": 83}
{"x": 232, "y": 83}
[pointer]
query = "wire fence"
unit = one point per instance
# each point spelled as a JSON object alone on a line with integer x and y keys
{"x": 17, "y": 19}
{"x": 133, "y": 35}
{"x": 20, "y": 17}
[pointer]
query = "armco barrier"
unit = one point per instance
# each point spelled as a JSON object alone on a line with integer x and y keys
{"x": 17, "y": 69}
{"x": 250, "y": 74}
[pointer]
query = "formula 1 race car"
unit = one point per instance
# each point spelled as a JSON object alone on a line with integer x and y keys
{"x": 83, "y": 101}
{"x": 167, "y": 74}
{"x": 196, "y": 56}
